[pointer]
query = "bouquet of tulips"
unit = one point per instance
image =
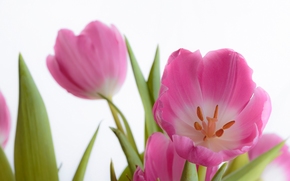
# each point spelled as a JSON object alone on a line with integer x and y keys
{"x": 204, "y": 118}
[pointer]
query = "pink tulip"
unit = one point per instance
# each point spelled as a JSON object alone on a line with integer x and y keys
{"x": 162, "y": 162}
{"x": 279, "y": 168}
{"x": 4, "y": 122}
{"x": 210, "y": 106}
{"x": 93, "y": 62}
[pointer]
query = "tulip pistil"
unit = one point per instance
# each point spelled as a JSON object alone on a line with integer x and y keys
{"x": 209, "y": 129}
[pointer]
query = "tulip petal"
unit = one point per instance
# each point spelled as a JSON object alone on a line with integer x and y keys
{"x": 5, "y": 122}
{"x": 199, "y": 155}
{"x": 139, "y": 175}
{"x": 226, "y": 79}
{"x": 61, "y": 79}
{"x": 90, "y": 63}
{"x": 256, "y": 112}
{"x": 103, "y": 48}
{"x": 180, "y": 91}
{"x": 161, "y": 161}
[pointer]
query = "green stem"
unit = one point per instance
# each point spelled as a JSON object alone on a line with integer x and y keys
{"x": 201, "y": 173}
{"x": 116, "y": 117}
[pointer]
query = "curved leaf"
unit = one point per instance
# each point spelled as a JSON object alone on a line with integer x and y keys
{"x": 6, "y": 171}
{"x": 219, "y": 174}
{"x": 150, "y": 124}
{"x": 154, "y": 76}
{"x": 189, "y": 172}
{"x": 81, "y": 170}
{"x": 132, "y": 156}
{"x": 237, "y": 163}
{"x": 112, "y": 172}
{"x": 254, "y": 169}
{"x": 127, "y": 127}
{"x": 34, "y": 157}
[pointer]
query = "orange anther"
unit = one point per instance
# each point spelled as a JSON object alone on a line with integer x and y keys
{"x": 216, "y": 111}
{"x": 199, "y": 113}
{"x": 219, "y": 132}
{"x": 229, "y": 124}
{"x": 197, "y": 126}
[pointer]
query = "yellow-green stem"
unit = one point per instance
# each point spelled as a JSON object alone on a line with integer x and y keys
{"x": 116, "y": 117}
{"x": 201, "y": 172}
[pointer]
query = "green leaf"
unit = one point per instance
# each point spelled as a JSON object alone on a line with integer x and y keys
{"x": 6, "y": 171}
{"x": 34, "y": 157}
{"x": 201, "y": 172}
{"x": 154, "y": 76}
{"x": 124, "y": 176}
{"x": 126, "y": 172}
{"x": 112, "y": 172}
{"x": 189, "y": 172}
{"x": 132, "y": 156}
{"x": 219, "y": 174}
{"x": 127, "y": 127}
{"x": 253, "y": 170}
{"x": 80, "y": 173}
{"x": 237, "y": 163}
{"x": 150, "y": 124}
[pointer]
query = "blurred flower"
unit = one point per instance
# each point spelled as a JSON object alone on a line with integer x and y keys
{"x": 5, "y": 121}
{"x": 279, "y": 168}
{"x": 210, "y": 106}
{"x": 162, "y": 162}
{"x": 93, "y": 62}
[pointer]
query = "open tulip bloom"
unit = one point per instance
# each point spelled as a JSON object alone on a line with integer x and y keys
{"x": 203, "y": 120}
{"x": 210, "y": 106}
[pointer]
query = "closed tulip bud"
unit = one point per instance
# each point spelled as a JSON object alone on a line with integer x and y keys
{"x": 92, "y": 63}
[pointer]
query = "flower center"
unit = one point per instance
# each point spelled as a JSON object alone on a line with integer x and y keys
{"x": 209, "y": 129}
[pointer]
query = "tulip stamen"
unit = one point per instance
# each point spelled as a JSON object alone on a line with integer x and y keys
{"x": 219, "y": 132}
{"x": 216, "y": 111}
{"x": 197, "y": 126}
{"x": 229, "y": 124}
{"x": 209, "y": 129}
{"x": 199, "y": 113}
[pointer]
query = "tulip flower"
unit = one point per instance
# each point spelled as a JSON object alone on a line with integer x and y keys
{"x": 279, "y": 168}
{"x": 162, "y": 162}
{"x": 91, "y": 63}
{"x": 210, "y": 107}
{"x": 4, "y": 121}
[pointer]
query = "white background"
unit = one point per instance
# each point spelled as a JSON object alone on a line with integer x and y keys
{"x": 259, "y": 30}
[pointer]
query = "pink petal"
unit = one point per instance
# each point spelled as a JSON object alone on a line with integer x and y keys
{"x": 210, "y": 172}
{"x": 226, "y": 79}
{"x": 113, "y": 48}
{"x": 256, "y": 112}
{"x": 63, "y": 80}
{"x": 161, "y": 160}
{"x": 199, "y": 155}
{"x": 138, "y": 175}
{"x": 5, "y": 122}
{"x": 93, "y": 62}
{"x": 180, "y": 91}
